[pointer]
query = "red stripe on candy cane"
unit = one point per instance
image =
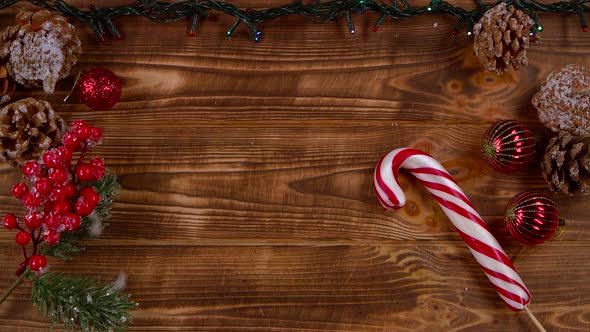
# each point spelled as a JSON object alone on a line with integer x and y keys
{"x": 471, "y": 227}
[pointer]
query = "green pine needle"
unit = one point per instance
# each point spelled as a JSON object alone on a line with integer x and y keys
{"x": 81, "y": 302}
{"x": 108, "y": 189}
{"x": 70, "y": 242}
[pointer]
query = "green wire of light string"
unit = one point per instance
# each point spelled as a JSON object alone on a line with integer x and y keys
{"x": 319, "y": 11}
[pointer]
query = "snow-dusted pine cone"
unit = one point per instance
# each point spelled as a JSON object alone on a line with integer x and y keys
{"x": 41, "y": 49}
{"x": 28, "y": 128}
{"x": 566, "y": 164}
{"x": 501, "y": 38}
{"x": 7, "y": 85}
{"x": 563, "y": 103}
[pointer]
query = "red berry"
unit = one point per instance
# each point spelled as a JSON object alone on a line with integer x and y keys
{"x": 95, "y": 134}
{"x": 19, "y": 190}
{"x": 32, "y": 201}
{"x": 61, "y": 206}
{"x": 33, "y": 219}
{"x": 72, "y": 221}
{"x": 51, "y": 159}
{"x": 10, "y": 221}
{"x": 90, "y": 194}
{"x": 83, "y": 207}
{"x": 31, "y": 168}
{"x": 99, "y": 168}
{"x": 52, "y": 220}
{"x": 71, "y": 141}
{"x": 81, "y": 128}
{"x": 37, "y": 262}
{"x": 58, "y": 175}
{"x": 97, "y": 162}
{"x": 47, "y": 207}
{"x": 69, "y": 190}
{"x": 65, "y": 154}
{"x": 85, "y": 172}
{"x": 51, "y": 237}
{"x": 43, "y": 186}
{"x": 23, "y": 238}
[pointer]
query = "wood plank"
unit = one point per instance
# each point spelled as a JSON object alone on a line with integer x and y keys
{"x": 247, "y": 171}
{"x": 402, "y": 286}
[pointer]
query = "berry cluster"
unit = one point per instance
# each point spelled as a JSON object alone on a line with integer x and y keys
{"x": 56, "y": 198}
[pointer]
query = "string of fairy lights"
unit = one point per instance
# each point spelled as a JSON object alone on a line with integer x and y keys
{"x": 101, "y": 19}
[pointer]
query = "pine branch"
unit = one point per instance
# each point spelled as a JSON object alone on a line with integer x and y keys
{"x": 70, "y": 243}
{"x": 108, "y": 188}
{"x": 83, "y": 302}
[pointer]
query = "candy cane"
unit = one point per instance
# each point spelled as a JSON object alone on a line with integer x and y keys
{"x": 474, "y": 231}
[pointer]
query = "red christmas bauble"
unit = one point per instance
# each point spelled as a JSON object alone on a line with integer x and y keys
{"x": 508, "y": 146}
{"x": 531, "y": 217}
{"x": 99, "y": 89}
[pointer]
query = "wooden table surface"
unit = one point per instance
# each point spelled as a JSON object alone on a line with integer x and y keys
{"x": 247, "y": 201}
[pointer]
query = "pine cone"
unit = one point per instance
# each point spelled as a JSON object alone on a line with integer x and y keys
{"x": 41, "y": 49}
{"x": 563, "y": 102}
{"x": 7, "y": 85}
{"x": 28, "y": 128}
{"x": 502, "y": 38}
{"x": 566, "y": 164}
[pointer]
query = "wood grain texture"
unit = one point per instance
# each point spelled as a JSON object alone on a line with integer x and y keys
{"x": 247, "y": 201}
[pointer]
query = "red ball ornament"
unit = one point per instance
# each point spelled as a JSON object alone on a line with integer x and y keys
{"x": 99, "y": 89}
{"x": 531, "y": 217}
{"x": 508, "y": 146}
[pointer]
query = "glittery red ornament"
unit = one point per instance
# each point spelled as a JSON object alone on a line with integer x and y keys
{"x": 531, "y": 217}
{"x": 508, "y": 146}
{"x": 99, "y": 89}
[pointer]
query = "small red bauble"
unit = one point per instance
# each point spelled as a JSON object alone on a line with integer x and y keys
{"x": 19, "y": 190}
{"x": 99, "y": 89}
{"x": 508, "y": 146}
{"x": 23, "y": 238}
{"x": 10, "y": 221}
{"x": 37, "y": 262}
{"x": 531, "y": 217}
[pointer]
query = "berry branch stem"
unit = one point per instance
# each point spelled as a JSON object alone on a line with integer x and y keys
{"x": 16, "y": 283}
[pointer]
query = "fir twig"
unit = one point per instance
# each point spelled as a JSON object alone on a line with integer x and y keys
{"x": 70, "y": 242}
{"x": 83, "y": 302}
